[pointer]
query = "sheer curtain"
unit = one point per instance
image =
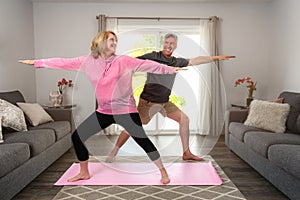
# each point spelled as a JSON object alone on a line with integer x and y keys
{"x": 210, "y": 97}
{"x": 211, "y": 94}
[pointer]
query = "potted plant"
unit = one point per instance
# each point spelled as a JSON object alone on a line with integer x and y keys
{"x": 251, "y": 87}
{"x": 56, "y": 97}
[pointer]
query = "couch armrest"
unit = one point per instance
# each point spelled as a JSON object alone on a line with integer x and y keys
{"x": 233, "y": 116}
{"x": 62, "y": 114}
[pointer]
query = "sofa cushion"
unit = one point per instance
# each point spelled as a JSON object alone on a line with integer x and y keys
{"x": 268, "y": 115}
{"x": 287, "y": 157}
{"x": 35, "y": 113}
{"x": 238, "y": 130}
{"x": 38, "y": 140}
{"x": 12, "y": 156}
{"x": 12, "y": 96}
{"x": 12, "y": 116}
{"x": 61, "y": 128}
{"x": 293, "y": 120}
{"x": 261, "y": 141}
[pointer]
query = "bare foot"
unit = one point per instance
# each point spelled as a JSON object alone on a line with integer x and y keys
{"x": 191, "y": 157}
{"x": 79, "y": 177}
{"x": 165, "y": 180}
{"x": 111, "y": 156}
{"x": 164, "y": 176}
{"x": 109, "y": 159}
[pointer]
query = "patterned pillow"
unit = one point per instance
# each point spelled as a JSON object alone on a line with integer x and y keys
{"x": 12, "y": 116}
{"x": 1, "y": 136}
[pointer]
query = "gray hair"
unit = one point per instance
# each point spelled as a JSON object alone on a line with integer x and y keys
{"x": 171, "y": 35}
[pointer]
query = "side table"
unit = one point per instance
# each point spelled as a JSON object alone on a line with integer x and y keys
{"x": 62, "y": 113}
{"x": 239, "y": 106}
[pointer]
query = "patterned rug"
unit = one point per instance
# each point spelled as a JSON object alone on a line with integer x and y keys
{"x": 227, "y": 191}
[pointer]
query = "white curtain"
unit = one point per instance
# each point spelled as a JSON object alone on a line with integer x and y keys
{"x": 211, "y": 94}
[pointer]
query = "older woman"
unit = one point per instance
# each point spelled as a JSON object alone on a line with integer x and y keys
{"x": 111, "y": 77}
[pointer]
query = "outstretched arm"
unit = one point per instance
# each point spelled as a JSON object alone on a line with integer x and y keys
{"x": 58, "y": 63}
{"x": 153, "y": 67}
{"x": 207, "y": 59}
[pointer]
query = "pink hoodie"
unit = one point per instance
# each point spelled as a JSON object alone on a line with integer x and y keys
{"x": 111, "y": 78}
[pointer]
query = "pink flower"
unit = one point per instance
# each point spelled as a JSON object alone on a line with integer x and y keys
{"x": 250, "y": 85}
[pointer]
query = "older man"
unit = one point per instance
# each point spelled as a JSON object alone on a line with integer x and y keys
{"x": 155, "y": 95}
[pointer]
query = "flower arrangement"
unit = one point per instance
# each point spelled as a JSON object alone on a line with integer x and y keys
{"x": 63, "y": 84}
{"x": 250, "y": 85}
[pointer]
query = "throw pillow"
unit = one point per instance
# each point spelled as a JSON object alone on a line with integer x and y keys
{"x": 12, "y": 116}
{"x": 35, "y": 113}
{"x": 279, "y": 100}
{"x": 268, "y": 115}
{"x": 1, "y": 136}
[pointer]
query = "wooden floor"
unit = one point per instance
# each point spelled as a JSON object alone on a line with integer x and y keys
{"x": 249, "y": 182}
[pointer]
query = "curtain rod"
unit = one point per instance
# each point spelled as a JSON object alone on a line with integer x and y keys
{"x": 160, "y": 18}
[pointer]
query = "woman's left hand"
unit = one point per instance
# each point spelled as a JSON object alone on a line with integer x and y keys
{"x": 177, "y": 69}
{"x": 27, "y": 62}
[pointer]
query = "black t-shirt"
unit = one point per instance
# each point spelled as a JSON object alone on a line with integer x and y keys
{"x": 158, "y": 86}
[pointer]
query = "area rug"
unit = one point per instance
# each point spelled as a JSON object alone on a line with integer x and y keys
{"x": 226, "y": 191}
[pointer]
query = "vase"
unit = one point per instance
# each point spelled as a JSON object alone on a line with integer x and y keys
{"x": 248, "y": 101}
{"x": 56, "y": 98}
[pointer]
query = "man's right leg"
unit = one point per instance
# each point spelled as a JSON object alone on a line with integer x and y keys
{"x": 146, "y": 111}
{"x": 123, "y": 137}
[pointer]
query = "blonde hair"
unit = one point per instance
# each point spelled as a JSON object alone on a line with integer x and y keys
{"x": 99, "y": 43}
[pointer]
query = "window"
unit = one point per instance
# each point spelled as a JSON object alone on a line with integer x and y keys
{"x": 137, "y": 37}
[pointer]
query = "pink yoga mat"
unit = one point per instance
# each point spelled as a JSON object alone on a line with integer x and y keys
{"x": 189, "y": 173}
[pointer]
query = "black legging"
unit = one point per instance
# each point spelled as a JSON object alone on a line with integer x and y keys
{"x": 98, "y": 121}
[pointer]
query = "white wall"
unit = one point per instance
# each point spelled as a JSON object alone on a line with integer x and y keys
{"x": 16, "y": 42}
{"x": 263, "y": 36}
{"x": 66, "y": 30}
{"x": 285, "y": 45}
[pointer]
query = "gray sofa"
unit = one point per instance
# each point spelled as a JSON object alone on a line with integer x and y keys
{"x": 275, "y": 156}
{"x": 25, "y": 155}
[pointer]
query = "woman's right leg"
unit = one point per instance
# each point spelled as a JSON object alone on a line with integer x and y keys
{"x": 93, "y": 124}
{"x": 132, "y": 123}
